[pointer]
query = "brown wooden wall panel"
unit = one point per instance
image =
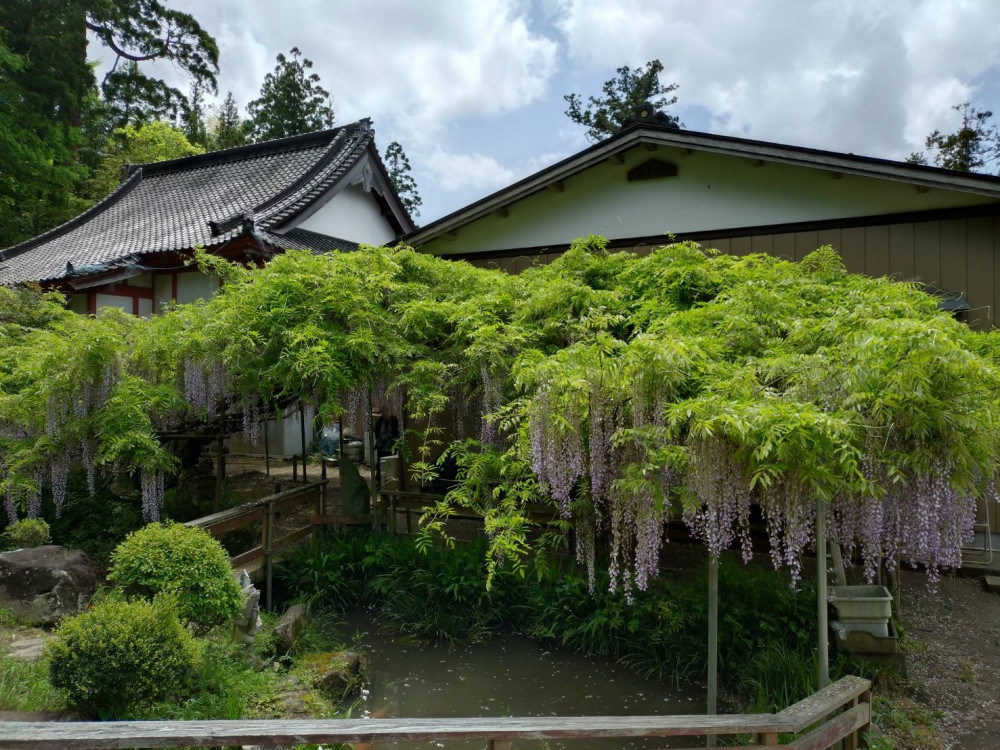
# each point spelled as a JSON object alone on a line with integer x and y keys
{"x": 957, "y": 255}
{"x": 805, "y": 243}
{"x": 784, "y": 245}
{"x": 877, "y": 251}
{"x": 740, "y": 246}
{"x": 979, "y": 247}
{"x": 901, "y": 251}
{"x": 954, "y": 265}
{"x": 829, "y": 237}
{"x": 762, "y": 243}
{"x": 852, "y": 249}
{"x": 927, "y": 252}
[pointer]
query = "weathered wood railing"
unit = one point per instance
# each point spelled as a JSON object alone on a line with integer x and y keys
{"x": 400, "y": 500}
{"x": 840, "y": 711}
{"x": 265, "y": 510}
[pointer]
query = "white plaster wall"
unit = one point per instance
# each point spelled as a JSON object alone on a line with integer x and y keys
{"x": 195, "y": 286}
{"x": 284, "y": 438}
{"x": 710, "y": 192}
{"x": 163, "y": 290}
{"x": 352, "y": 214}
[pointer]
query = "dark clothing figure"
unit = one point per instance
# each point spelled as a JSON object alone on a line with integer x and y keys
{"x": 386, "y": 434}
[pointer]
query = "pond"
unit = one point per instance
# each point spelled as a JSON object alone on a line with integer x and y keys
{"x": 511, "y": 675}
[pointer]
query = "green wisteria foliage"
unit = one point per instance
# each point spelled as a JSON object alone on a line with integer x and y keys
{"x": 623, "y": 391}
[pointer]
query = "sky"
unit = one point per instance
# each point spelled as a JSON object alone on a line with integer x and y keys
{"x": 473, "y": 89}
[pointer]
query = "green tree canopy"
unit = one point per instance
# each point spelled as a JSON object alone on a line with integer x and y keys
{"x": 229, "y": 130}
{"x": 623, "y": 96}
{"x": 398, "y": 166}
{"x": 291, "y": 101}
{"x": 974, "y": 147}
{"x": 154, "y": 141}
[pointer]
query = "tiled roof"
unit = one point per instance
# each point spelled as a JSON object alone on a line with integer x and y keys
{"x": 303, "y": 239}
{"x": 168, "y": 206}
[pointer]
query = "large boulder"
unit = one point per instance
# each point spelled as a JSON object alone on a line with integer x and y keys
{"x": 290, "y": 625}
{"x": 44, "y": 584}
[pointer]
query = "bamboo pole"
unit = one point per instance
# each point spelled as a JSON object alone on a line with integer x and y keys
{"x": 713, "y": 639}
{"x": 821, "y": 605}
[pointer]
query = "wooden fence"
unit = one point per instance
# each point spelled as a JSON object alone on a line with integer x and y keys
{"x": 265, "y": 510}
{"x": 838, "y": 713}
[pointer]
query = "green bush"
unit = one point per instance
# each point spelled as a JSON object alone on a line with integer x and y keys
{"x": 123, "y": 653}
{"x": 184, "y": 562}
{"x": 28, "y": 532}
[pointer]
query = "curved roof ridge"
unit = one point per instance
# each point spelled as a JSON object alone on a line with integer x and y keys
{"x": 328, "y": 171}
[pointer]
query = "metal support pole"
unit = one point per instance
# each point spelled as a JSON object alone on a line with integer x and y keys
{"x": 302, "y": 430}
{"x": 821, "y": 606}
{"x": 269, "y": 552}
{"x": 220, "y": 473}
{"x": 713, "y": 639}
{"x": 267, "y": 452}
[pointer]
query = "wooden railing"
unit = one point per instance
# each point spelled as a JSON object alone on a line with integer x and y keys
{"x": 400, "y": 500}
{"x": 262, "y": 556}
{"x": 840, "y": 712}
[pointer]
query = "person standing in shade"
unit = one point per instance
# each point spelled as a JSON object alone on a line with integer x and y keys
{"x": 386, "y": 435}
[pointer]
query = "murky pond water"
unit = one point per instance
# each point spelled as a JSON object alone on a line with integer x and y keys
{"x": 509, "y": 676}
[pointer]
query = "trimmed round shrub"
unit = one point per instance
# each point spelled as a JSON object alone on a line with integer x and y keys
{"x": 28, "y": 532}
{"x": 123, "y": 653}
{"x": 184, "y": 562}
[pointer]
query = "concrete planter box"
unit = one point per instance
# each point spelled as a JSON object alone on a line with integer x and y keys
{"x": 863, "y": 608}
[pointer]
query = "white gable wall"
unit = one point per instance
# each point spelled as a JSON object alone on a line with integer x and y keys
{"x": 710, "y": 192}
{"x": 352, "y": 214}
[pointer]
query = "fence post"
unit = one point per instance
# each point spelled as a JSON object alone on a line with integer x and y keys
{"x": 269, "y": 552}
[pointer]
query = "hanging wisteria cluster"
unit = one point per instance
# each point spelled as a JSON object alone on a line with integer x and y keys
{"x": 207, "y": 386}
{"x": 492, "y": 399}
{"x": 557, "y": 454}
{"x": 152, "y": 483}
{"x": 721, "y": 513}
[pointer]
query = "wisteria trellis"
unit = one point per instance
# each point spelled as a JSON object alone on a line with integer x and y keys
{"x": 624, "y": 390}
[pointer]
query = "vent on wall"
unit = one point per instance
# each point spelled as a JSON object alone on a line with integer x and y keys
{"x": 652, "y": 169}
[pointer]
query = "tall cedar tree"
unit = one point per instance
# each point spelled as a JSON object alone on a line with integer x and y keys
{"x": 59, "y": 124}
{"x": 291, "y": 101}
{"x": 230, "y": 130}
{"x": 43, "y": 82}
{"x": 398, "y": 166}
{"x": 974, "y": 147}
{"x": 193, "y": 118}
{"x": 623, "y": 95}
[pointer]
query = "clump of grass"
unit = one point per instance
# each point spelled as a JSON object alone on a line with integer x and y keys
{"x": 24, "y": 686}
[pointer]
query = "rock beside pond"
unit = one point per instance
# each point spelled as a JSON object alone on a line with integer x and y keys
{"x": 318, "y": 682}
{"x": 44, "y": 584}
{"x": 290, "y": 625}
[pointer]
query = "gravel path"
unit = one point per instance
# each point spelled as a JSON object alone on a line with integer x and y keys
{"x": 954, "y": 663}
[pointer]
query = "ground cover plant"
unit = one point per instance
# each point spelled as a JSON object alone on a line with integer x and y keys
{"x": 619, "y": 389}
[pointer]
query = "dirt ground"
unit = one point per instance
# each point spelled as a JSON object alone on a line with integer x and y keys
{"x": 953, "y": 663}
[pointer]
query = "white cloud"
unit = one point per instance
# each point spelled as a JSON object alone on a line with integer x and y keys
{"x": 477, "y": 172}
{"x": 417, "y": 66}
{"x": 849, "y": 75}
